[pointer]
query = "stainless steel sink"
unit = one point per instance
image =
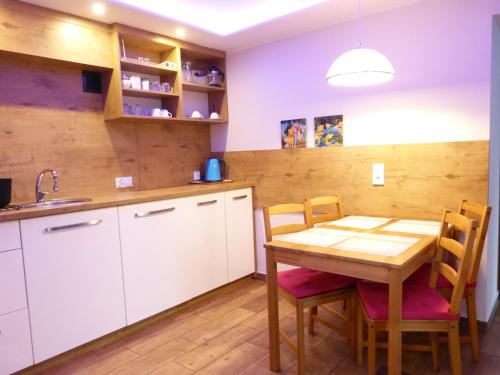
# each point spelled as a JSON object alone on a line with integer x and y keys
{"x": 56, "y": 202}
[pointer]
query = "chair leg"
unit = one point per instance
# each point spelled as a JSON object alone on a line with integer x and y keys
{"x": 435, "y": 351}
{"x": 312, "y": 312}
{"x": 352, "y": 313}
{"x": 454, "y": 348}
{"x": 301, "y": 368}
{"x": 470, "y": 297}
{"x": 359, "y": 335}
{"x": 372, "y": 349}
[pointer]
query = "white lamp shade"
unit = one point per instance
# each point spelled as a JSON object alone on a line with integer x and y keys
{"x": 360, "y": 67}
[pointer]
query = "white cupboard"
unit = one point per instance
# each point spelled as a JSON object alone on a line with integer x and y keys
{"x": 15, "y": 342}
{"x": 74, "y": 279}
{"x": 205, "y": 245}
{"x": 239, "y": 233}
{"x": 9, "y": 236}
{"x": 12, "y": 288}
{"x": 15, "y": 339}
{"x": 154, "y": 258}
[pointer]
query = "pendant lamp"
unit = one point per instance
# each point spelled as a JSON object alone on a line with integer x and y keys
{"x": 360, "y": 66}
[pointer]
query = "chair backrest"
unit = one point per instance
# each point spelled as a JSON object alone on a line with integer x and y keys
{"x": 482, "y": 213}
{"x": 462, "y": 251}
{"x": 318, "y": 204}
{"x": 283, "y": 209}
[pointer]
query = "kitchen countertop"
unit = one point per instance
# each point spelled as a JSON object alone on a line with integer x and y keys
{"x": 124, "y": 198}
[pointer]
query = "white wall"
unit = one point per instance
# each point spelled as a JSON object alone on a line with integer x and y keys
{"x": 441, "y": 50}
{"x": 489, "y": 266}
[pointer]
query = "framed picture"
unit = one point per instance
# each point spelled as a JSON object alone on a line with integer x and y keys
{"x": 293, "y": 133}
{"x": 328, "y": 131}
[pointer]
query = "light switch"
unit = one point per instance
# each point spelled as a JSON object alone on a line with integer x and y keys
{"x": 378, "y": 174}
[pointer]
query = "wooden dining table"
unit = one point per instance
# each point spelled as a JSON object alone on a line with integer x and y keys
{"x": 381, "y": 253}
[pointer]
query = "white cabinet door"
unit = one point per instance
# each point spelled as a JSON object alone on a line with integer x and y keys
{"x": 152, "y": 237}
{"x": 15, "y": 342}
{"x": 9, "y": 236}
{"x": 205, "y": 246}
{"x": 12, "y": 288}
{"x": 74, "y": 279}
{"x": 239, "y": 232}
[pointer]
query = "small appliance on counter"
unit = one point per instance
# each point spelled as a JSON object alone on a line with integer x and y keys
{"x": 216, "y": 168}
{"x": 5, "y": 191}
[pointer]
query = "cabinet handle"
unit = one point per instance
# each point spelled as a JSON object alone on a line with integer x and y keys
{"x": 207, "y": 203}
{"x": 73, "y": 226}
{"x": 239, "y": 197}
{"x": 155, "y": 212}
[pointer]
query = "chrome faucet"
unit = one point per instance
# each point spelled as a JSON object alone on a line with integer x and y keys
{"x": 40, "y": 195}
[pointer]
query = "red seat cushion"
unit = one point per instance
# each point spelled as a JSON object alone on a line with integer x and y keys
{"x": 304, "y": 282}
{"x": 419, "y": 302}
{"x": 423, "y": 275}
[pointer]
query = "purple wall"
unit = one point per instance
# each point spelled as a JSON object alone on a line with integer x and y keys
{"x": 439, "y": 48}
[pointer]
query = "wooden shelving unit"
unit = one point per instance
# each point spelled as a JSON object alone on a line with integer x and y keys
{"x": 166, "y": 120}
{"x": 140, "y": 67}
{"x": 130, "y": 44}
{"x": 189, "y": 86}
{"x": 147, "y": 93}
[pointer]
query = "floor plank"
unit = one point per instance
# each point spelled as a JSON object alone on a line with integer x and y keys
{"x": 213, "y": 349}
{"x": 235, "y": 361}
{"x": 215, "y": 327}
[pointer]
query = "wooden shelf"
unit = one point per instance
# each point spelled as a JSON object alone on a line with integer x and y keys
{"x": 188, "y": 86}
{"x": 166, "y": 120}
{"x": 146, "y": 93}
{"x": 136, "y": 66}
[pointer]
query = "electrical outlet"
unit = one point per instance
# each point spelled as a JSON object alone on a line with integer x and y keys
{"x": 196, "y": 176}
{"x": 378, "y": 174}
{"x": 124, "y": 182}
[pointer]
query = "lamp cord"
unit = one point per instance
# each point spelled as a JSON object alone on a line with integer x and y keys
{"x": 360, "y": 28}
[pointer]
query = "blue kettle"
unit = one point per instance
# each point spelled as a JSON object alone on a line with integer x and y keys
{"x": 215, "y": 169}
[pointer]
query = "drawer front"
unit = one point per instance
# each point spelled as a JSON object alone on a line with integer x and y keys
{"x": 15, "y": 342}
{"x": 10, "y": 237}
{"x": 12, "y": 288}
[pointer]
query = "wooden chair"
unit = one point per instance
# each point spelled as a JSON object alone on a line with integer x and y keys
{"x": 305, "y": 288}
{"x": 424, "y": 308}
{"x": 482, "y": 213}
{"x": 316, "y": 206}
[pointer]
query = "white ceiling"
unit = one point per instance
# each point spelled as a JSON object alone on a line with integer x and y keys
{"x": 260, "y": 21}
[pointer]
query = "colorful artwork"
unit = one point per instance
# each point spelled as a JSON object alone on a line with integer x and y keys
{"x": 293, "y": 133}
{"x": 328, "y": 131}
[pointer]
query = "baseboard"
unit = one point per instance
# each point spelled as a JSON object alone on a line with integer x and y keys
{"x": 259, "y": 276}
{"x": 487, "y": 325}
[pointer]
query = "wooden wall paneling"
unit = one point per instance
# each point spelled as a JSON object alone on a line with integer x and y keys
{"x": 168, "y": 154}
{"x": 113, "y": 98}
{"x": 37, "y": 31}
{"x": 420, "y": 179}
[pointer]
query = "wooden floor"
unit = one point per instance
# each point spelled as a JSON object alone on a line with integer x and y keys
{"x": 227, "y": 334}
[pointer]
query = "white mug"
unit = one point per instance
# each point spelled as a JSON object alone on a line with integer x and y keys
{"x": 145, "y": 84}
{"x": 196, "y": 114}
{"x": 165, "y": 113}
{"x": 156, "y": 112}
{"x": 215, "y": 116}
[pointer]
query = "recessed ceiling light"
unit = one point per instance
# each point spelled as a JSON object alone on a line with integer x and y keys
{"x": 98, "y": 8}
{"x": 180, "y": 32}
{"x": 221, "y": 17}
